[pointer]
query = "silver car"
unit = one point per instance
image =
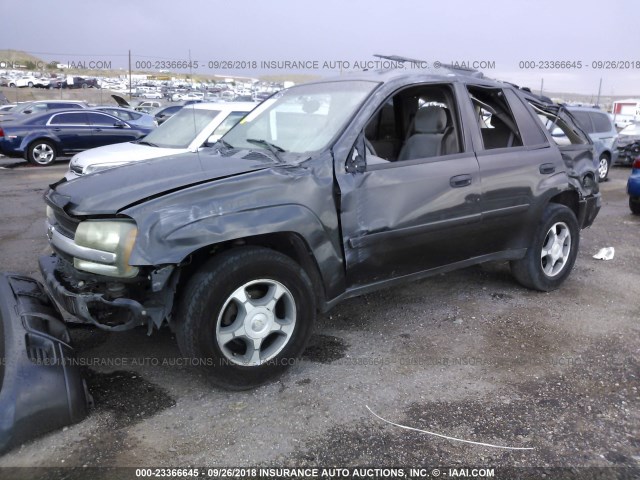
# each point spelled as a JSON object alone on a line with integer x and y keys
{"x": 603, "y": 133}
{"x": 131, "y": 116}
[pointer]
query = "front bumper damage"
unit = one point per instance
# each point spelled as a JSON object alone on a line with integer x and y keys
{"x": 113, "y": 314}
{"x": 41, "y": 387}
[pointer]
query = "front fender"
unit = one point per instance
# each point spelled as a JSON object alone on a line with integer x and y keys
{"x": 170, "y": 237}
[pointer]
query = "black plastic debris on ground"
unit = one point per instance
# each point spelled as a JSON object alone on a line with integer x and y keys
{"x": 41, "y": 386}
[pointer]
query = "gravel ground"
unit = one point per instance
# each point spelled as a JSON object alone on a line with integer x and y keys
{"x": 469, "y": 355}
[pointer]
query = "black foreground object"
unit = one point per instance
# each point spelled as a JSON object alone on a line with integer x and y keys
{"x": 41, "y": 386}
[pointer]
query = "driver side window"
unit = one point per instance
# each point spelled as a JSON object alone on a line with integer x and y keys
{"x": 417, "y": 123}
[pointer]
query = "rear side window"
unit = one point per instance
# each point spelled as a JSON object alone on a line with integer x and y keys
{"x": 495, "y": 119}
{"x": 529, "y": 126}
{"x": 70, "y": 119}
{"x": 601, "y": 122}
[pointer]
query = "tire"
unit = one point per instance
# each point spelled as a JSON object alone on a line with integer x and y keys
{"x": 30, "y": 84}
{"x": 41, "y": 153}
{"x": 604, "y": 165}
{"x": 212, "y": 321}
{"x": 84, "y": 85}
{"x": 634, "y": 205}
{"x": 13, "y": 85}
{"x": 544, "y": 268}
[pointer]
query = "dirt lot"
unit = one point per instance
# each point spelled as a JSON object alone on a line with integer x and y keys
{"x": 469, "y": 355}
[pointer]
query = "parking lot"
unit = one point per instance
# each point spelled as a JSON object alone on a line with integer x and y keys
{"x": 469, "y": 355}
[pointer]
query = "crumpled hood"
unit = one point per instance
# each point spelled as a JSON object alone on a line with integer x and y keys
{"x": 624, "y": 140}
{"x": 118, "y": 152}
{"x": 109, "y": 191}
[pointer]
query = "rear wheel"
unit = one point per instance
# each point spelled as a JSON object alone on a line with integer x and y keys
{"x": 603, "y": 167}
{"x": 246, "y": 316}
{"x": 41, "y": 153}
{"x": 552, "y": 253}
{"x": 634, "y": 205}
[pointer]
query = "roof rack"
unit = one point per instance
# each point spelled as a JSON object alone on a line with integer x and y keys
{"x": 443, "y": 66}
{"x": 397, "y": 58}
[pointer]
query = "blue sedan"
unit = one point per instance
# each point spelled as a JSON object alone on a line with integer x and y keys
{"x": 42, "y": 138}
{"x": 633, "y": 188}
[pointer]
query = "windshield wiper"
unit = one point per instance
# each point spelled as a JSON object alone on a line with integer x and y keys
{"x": 143, "y": 142}
{"x": 275, "y": 149}
{"x": 225, "y": 144}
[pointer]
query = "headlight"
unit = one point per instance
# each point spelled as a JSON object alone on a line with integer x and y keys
{"x": 114, "y": 236}
{"x": 97, "y": 167}
{"x": 51, "y": 216}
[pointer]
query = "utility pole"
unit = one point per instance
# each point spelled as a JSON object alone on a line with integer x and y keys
{"x": 129, "y": 74}
{"x": 599, "y": 90}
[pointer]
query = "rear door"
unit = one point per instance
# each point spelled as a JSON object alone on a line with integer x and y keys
{"x": 516, "y": 162}
{"x": 414, "y": 207}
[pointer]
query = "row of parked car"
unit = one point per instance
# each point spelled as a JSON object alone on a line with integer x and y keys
{"x": 42, "y": 131}
{"x": 32, "y": 81}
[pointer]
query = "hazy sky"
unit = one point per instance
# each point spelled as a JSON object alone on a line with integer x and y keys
{"x": 503, "y": 31}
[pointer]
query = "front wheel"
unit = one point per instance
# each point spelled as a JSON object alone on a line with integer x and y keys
{"x": 634, "y": 205}
{"x": 603, "y": 167}
{"x": 41, "y": 153}
{"x": 553, "y": 251}
{"x": 246, "y": 316}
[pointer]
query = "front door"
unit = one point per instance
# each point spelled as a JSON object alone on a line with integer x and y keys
{"x": 415, "y": 205}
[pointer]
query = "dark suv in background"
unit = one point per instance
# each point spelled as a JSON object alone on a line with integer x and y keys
{"x": 327, "y": 191}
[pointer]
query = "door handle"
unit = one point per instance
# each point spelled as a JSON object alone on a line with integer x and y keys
{"x": 460, "y": 181}
{"x": 547, "y": 168}
{"x": 97, "y": 129}
{"x": 57, "y": 129}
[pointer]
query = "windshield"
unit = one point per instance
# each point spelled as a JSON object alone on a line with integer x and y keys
{"x": 181, "y": 129}
{"x": 300, "y": 119}
{"x": 26, "y": 106}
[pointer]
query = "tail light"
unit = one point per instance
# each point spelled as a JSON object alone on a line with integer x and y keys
{"x": 636, "y": 163}
{"x": 1, "y": 132}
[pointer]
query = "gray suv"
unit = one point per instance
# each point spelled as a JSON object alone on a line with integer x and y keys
{"x": 325, "y": 191}
{"x": 604, "y": 134}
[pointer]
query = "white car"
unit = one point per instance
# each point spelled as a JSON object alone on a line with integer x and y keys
{"x": 151, "y": 95}
{"x": 192, "y": 128}
{"x": 29, "y": 81}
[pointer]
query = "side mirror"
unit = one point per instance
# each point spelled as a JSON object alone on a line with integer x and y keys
{"x": 211, "y": 140}
{"x": 120, "y": 125}
{"x": 557, "y": 132}
{"x": 357, "y": 162}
